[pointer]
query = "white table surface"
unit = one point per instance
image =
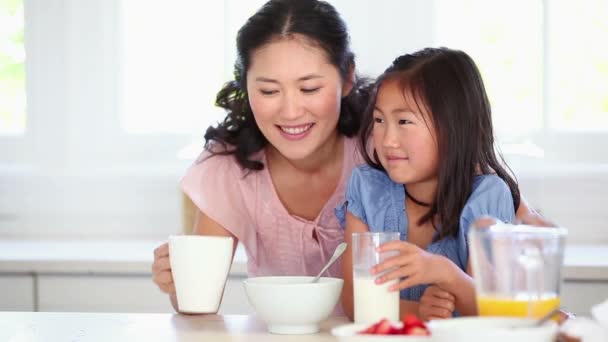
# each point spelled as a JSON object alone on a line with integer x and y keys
{"x": 98, "y": 327}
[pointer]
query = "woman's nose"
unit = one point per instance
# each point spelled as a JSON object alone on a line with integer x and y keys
{"x": 292, "y": 107}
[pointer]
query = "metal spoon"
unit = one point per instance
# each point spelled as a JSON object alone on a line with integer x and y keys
{"x": 547, "y": 317}
{"x": 339, "y": 250}
{"x": 540, "y": 321}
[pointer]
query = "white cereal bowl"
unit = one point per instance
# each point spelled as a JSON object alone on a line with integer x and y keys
{"x": 495, "y": 329}
{"x": 293, "y": 305}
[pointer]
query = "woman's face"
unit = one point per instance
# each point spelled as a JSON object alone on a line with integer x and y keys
{"x": 403, "y": 136}
{"x": 295, "y": 94}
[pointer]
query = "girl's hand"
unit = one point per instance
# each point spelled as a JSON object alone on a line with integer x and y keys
{"x": 436, "y": 303}
{"x": 161, "y": 269}
{"x": 415, "y": 264}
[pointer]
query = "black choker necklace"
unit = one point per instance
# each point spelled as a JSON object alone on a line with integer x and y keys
{"x": 420, "y": 203}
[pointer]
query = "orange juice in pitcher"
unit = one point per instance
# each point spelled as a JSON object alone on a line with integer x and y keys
{"x": 516, "y": 269}
{"x": 519, "y": 306}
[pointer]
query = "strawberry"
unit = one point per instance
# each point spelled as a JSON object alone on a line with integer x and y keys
{"x": 370, "y": 330}
{"x": 412, "y": 320}
{"x": 416, "y": 331}
{"x": 384, "y": 327}
{"x": 394, "y": 330}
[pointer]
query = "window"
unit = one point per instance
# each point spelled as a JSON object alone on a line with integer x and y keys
{"x": 544, "y": 64}
{"x": 509, "y": 56}
{"x": 116, "y": 89}
{"x": 172, "y": 72}
{"x": 577, "y": 56}
{"x": 12, "y": 69}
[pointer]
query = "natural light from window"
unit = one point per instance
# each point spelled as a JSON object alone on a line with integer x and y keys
{"x": 172, "y": 65}
{"x": 172, "y": 71}
{"x": 578, "y": 65}
{"x": 505, "y": 40}
{"x": 544, "y": 63}
{"x": 12, "y": 69}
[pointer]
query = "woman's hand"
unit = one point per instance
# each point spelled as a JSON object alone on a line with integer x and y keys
{"x": 436, "y": 303}
{"x": 161, "y": 269}
{"x": 533, "y": 219}
{"x": 414, "y": 264}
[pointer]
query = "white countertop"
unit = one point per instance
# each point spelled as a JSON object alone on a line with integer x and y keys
{"x": 93, "y": 327}
{"x": 582, "y": 262}
{"x": 88, "y": 256}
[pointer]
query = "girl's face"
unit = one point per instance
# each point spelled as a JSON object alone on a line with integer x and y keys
{"x": 404, "y": 137}
{"x": 295, "y": 95}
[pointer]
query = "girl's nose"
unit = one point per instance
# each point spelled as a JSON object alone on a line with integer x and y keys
{"x": 390, "y": 139}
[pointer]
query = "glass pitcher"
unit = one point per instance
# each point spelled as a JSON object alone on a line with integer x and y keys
{"x": 517, "y": 269}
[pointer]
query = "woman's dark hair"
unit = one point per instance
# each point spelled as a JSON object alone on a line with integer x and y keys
{"x": 447, "y": 83}
{"x": 320, "y": 24}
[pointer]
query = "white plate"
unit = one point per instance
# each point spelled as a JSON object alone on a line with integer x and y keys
{"x": 348, "y": 332}
{"x": 494, "y": 329}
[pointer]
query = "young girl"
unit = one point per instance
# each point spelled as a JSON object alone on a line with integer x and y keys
{"x": 432, "y": 172}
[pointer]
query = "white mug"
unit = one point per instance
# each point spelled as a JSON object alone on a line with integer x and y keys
{"x": 200, "y": 266}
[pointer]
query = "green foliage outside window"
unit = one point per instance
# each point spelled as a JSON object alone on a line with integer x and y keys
{"x": 12, "y": 68}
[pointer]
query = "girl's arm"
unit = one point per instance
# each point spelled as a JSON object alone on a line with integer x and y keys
{"x": 204, "y": 225}
{"x": 353, "y": 225}
{"x": 415, "y": 266}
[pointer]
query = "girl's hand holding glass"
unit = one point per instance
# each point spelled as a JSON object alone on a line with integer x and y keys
{"x": 414, "y": 264}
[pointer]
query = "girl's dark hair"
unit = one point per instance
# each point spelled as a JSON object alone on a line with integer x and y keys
{"x": 320, "y": 24}
{"x": 447, "y": 83}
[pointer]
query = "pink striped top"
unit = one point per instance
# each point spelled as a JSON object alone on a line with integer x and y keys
{"x": 248, "y": 206}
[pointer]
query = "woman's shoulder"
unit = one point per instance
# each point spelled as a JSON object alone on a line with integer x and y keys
{"x": 217, "y": 160}
{"x": 212, "y": 168}
{"x": 352, "y": 152}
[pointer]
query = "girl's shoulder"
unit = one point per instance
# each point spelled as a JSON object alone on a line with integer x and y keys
{"x": 489, "y": 185}
{"x": 491, "y": 196}
{"x": 367, "y": 176}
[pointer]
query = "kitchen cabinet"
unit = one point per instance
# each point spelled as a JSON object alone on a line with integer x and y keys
{"x": 17, "y": 292}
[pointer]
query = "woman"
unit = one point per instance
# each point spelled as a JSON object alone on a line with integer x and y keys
{"x": 274, "y": 170}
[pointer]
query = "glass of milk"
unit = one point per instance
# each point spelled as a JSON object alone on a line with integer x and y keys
{"x": 372, "y": 302}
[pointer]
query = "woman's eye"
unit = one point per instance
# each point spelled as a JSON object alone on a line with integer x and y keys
{"x": 378, "y": 120}
{"x": 404, "y": 122}
{"x": 309, "y": 90}
{"x": 268, "y": 92}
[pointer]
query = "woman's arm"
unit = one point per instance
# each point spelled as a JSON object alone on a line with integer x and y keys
{"x": 408, "y": 307}
{"x": 460, "y": 284}
{"x": 204, "y": 225}
{"x": 353, "y": 225}
{"x": 526, "y": 215}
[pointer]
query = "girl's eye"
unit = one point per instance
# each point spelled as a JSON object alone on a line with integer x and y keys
{"x": 310, "y": 91}
{"x": 404, "y": 122}
{"x": 268, "y": 92}
{"x": 378, "y": 120}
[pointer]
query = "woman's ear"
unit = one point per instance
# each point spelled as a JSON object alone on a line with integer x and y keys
{"x": 349, "y": 82}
